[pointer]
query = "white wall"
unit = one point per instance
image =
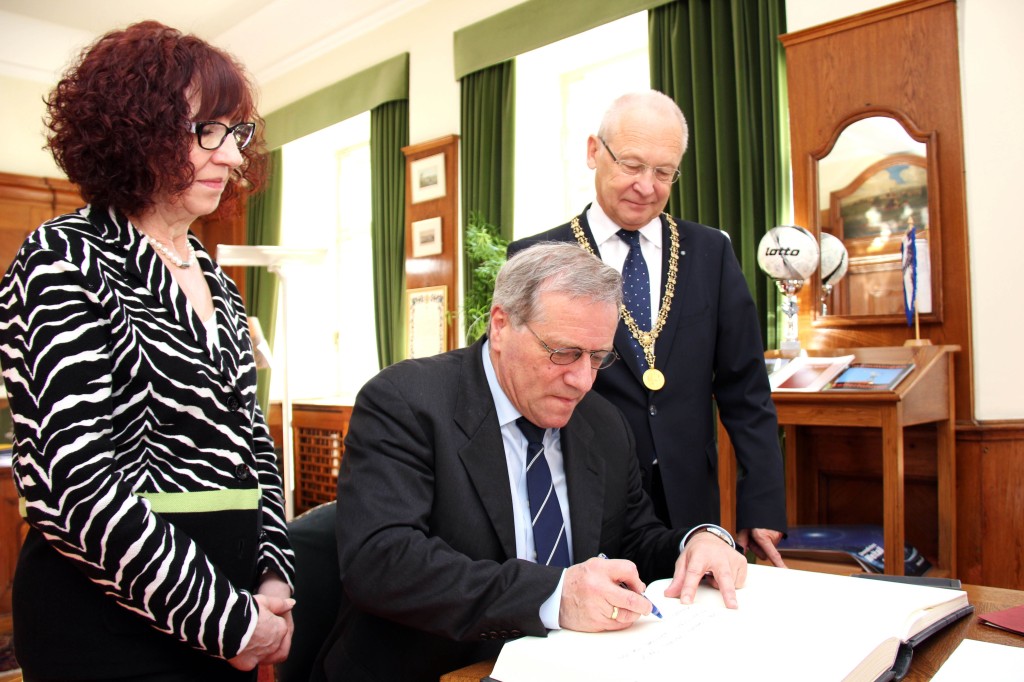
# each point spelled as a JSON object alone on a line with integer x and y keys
{"x": 991, "y": 54}
{"x": 22, "y": 130}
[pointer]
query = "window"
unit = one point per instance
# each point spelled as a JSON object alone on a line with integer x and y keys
{"x": 562, "y": 90}
{"x": 326, "y": 204}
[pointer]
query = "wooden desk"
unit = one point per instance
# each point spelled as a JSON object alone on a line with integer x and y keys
{"x": 928, "y": 657}
{"x": 925, "y": 396}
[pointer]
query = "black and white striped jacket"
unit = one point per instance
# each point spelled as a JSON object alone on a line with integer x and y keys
{"x": 141, "y": 456}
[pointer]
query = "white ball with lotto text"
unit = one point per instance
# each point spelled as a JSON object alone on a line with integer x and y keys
{"x": 788, "y": 252}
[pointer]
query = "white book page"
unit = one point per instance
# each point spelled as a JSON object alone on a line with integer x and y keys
{"x": 804, "y": 626}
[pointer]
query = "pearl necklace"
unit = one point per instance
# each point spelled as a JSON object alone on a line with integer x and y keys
{"x": 173, "y": 256}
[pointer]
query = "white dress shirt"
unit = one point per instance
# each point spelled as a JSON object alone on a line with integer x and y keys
{"x": 613, "y": 250}
{"x": 515, "y": 458}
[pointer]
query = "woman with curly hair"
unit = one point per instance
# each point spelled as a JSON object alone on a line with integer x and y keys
{"x": 157, "y": 546}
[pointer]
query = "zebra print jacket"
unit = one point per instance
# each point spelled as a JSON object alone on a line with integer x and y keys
{"x": 140, "y": 455}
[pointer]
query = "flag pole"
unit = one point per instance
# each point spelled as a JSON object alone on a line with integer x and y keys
{"x": 917, "y": 340}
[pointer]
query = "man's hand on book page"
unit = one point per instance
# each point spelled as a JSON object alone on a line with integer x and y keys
{"x": 705, "y": 555}
{"x": 763, "y": 542}
{"x": 602, "y": 594}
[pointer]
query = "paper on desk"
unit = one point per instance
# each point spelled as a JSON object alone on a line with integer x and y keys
{"x": 973, "y": 660}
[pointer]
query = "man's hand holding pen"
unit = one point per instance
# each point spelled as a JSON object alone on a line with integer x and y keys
{"x": 602, "y": 594}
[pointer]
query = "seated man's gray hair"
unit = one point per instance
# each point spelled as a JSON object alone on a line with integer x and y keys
{"x": 558, "y": 267}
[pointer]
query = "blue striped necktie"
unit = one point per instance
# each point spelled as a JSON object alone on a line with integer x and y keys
{"x": 548, "y": 525}
{"x": 636, "y": 289}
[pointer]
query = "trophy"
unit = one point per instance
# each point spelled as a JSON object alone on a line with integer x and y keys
{"x": 789, "y": 255}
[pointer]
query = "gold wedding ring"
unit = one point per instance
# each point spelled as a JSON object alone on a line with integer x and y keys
{"x": 615, "y": 613}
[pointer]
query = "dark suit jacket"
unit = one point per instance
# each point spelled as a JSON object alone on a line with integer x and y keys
{"x": 709, "y": 347}
{"x": 426, "y": 537}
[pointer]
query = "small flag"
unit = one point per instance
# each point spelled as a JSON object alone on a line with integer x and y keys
{"x": 908, "y": 256}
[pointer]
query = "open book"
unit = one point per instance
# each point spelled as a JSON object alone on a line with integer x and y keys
{"x": 812, "y": 627}
{"x": 808, "y": 374}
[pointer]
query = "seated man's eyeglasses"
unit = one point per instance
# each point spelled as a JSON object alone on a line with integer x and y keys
{"x": 599, "y": 359}
{"x": 211, "y": 134}
{"x": 630, "y": 167}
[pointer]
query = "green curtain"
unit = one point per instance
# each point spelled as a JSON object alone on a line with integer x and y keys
{"x": 389, "y": 132}
{"x": 488, "y": 144}
{"x": 488, "y": 154}
{"x": 263, "y": 227}
{"x": 722, "y": 62}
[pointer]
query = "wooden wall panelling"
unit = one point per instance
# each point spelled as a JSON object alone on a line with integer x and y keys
{"x": 898, "y": 59}
{"x": 226, "y": 225}
{"x": 990, "y": 499}
{"x": 25, "y": 203}
{"x": 441, "y": 269}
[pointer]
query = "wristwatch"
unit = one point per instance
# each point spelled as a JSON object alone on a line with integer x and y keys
{"x": 719, "y": 532}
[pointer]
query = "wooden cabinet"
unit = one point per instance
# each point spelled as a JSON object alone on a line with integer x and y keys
{"x": 901, "y": 62}
{"x": 925, "y": 396}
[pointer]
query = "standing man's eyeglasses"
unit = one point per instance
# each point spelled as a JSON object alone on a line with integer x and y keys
{"x": 630, "y": 167}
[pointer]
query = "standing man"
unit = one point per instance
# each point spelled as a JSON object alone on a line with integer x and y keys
{"x": 689, "y": 332}
{"x": 479, "y": 488}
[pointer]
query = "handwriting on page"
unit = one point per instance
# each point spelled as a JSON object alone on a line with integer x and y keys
{"x": 668, "y": 634}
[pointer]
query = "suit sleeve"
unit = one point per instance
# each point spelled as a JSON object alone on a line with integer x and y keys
{"x": 393, "y": 563}
{"x": 745, "y": 404}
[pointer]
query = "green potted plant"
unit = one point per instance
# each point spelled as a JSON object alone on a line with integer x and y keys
{"x": 485, "y": 254}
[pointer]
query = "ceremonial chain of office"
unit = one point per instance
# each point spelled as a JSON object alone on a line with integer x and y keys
{"x": 653, "y": 378}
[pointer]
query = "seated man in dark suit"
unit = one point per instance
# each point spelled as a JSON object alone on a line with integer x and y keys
{"x": 480, "y": 486}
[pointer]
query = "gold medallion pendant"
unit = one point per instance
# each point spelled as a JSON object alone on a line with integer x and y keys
{"x": 654, "y": 379}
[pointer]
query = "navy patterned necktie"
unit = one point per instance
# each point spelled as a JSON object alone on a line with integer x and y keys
{"x": 636, "y": 289}
{"x": 548, "y": 525}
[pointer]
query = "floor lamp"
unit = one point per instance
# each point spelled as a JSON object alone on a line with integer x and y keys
{"x": 277, "y": 259}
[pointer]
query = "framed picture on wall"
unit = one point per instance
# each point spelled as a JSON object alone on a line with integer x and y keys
{"x": 428, "y": 178}
{"x": 428, "y": 321}
{"x": 426, "y": 238}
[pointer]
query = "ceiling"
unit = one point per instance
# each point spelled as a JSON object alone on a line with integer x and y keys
{"x": 38, "y": 38}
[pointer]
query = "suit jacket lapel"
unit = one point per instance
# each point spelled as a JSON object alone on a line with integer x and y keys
{"x": 584, "y": 473}
{"x": 483, "y": 455}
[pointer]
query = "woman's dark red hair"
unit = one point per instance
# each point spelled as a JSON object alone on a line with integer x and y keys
{"x": 119, "y": 117}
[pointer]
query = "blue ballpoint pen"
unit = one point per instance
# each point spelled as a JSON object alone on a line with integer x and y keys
{"x": 654, "y": 609}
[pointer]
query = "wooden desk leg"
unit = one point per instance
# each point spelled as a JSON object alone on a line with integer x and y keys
{"x": 892, "y": 489}
{"x": 726, "y": 480}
